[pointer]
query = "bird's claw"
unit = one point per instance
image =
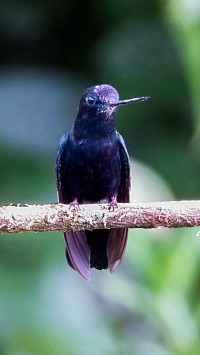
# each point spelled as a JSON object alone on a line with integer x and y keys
{"x": 113, "y": 204}
{"x": 74, "y": 206}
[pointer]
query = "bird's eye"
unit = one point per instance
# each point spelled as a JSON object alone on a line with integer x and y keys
{"x": 90, "y": 100}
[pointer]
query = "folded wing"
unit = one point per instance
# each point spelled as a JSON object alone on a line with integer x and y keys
{"x": 118, "y": 237}
{"x": 77, "y": 249}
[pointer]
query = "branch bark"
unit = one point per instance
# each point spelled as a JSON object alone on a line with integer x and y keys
{"x": 59, "y": 217}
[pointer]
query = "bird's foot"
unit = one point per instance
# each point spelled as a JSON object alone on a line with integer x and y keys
{"x": 113, "y": 204}
{"x": 74, "y": 205}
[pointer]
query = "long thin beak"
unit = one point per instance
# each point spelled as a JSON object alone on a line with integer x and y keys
{"x": 130, "y": 101}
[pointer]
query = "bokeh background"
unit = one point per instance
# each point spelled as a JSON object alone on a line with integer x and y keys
{"x": 50, "y": 52}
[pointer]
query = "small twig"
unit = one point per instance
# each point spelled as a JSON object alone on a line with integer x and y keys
{"x": 57, "y": 217}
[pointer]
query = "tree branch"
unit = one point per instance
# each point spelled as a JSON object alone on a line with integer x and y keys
{"x": 57, "y": 217}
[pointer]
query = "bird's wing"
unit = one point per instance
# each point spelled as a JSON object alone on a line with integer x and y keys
{"x": 118, "y": 237}
{"x": 77, "y": 249}
{"x": 60, "y": 169}
{"x": 78, "y": 253}
{"x": 124, "y": 189}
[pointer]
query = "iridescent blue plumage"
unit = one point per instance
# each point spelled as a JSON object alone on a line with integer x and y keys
{"x": 93, "y": 167}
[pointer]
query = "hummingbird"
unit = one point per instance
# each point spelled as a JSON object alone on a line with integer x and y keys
{"x": 93, "y": 166}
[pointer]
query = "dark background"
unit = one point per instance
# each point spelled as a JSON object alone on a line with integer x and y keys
{"x": 49, "y": 53}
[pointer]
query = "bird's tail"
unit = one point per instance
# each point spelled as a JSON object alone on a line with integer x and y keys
{"x": 97, "y": 241}
{"x": 100, "y": 249}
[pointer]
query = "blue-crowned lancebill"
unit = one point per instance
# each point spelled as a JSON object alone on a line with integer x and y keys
{"x": 93, "y": 167}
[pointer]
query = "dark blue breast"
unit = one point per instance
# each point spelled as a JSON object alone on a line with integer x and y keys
{"x": 92, "y": 169}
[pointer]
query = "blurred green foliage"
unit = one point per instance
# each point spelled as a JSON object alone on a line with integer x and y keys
{"x": 49, "y": 53}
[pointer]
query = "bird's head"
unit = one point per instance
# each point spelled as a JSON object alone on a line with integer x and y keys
{"x": 103, "y": 100}
{"x": 97, "y": 109}
{"x": 96, "y": 101}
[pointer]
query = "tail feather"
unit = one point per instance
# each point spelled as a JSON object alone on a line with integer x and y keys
{"x": 97, "y": 241}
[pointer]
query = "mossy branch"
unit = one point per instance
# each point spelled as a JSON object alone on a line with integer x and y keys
{"x": 59, "y": 217}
